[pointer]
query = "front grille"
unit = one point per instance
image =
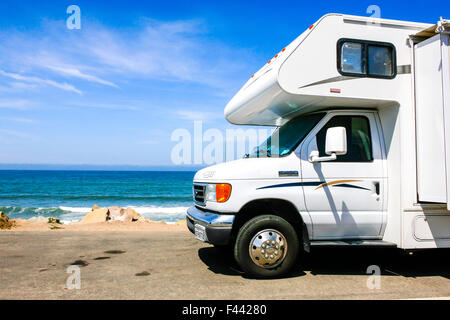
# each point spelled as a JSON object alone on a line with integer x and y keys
{"x": 199, "y": 193}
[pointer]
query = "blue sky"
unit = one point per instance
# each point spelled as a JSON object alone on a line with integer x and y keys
{"x": 113, "y": 92}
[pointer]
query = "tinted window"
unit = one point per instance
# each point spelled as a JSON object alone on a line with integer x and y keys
{"x": 380, "y": 61}
{"x": 359, "y": 142}
{"x": 352, "y": 58}
{"x": 287, "y": 137}
{"x": 366, "y": 58}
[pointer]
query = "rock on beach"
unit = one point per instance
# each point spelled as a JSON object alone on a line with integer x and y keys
{"x": 114, "y": 213}
{"x": 5, "y": 223}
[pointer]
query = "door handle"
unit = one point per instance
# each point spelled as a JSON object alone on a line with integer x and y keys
{"x": 377, "y": 187}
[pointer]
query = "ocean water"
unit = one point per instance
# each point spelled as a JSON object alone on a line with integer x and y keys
{"x": 69, "y": 195}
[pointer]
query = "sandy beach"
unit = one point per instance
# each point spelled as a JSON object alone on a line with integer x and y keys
{"x": 144, "y": 226}
{"x": 98, "y": 219}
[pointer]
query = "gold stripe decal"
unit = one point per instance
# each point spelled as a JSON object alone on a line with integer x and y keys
{"x": 335, "y": 182}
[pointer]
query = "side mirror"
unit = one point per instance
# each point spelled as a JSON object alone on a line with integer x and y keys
{"x": 335, "y": 144}
{"x": 336, "y": 141}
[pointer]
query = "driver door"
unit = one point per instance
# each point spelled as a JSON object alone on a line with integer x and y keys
{"x": 346, "y": 197}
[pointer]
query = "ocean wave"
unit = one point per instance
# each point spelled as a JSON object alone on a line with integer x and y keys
{"x": 75, "y": 209}
{"x": 27, "y": 212}
{"x": 73, "y": 214}
{"x": 143, "y": 210}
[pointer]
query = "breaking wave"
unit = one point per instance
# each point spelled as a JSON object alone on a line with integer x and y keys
{"x": 72, "y": 214}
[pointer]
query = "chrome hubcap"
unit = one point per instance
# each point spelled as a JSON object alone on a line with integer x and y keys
{"x": 268, "y": 248}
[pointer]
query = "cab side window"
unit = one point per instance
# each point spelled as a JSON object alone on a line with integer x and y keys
{"x": 359, "y": 141}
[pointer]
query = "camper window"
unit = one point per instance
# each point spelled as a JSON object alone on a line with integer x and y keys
{"x": 352, "y": 61}
{"x": 362, "y": 58}
{"x": 380, "y": 60}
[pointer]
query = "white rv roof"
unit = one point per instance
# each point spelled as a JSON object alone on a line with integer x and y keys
{"x": 263, "y": 100}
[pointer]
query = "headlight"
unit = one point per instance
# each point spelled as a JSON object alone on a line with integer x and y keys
{"x": 218, "y": 192}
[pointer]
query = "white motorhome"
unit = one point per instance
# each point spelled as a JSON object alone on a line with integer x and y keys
{"x": 361, "y": 155}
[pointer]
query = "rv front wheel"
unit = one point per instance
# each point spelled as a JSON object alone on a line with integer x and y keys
{"x": 266, "y": 247}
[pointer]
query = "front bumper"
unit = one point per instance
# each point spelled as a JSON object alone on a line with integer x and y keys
{"x": 217, "y": 226}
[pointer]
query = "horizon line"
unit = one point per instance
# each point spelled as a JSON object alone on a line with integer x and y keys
{"x": 96, "y": 167}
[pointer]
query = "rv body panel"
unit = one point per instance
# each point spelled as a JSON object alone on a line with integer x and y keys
{"x": 304, "y": 78}
{"x": 431, "y": 160}
{"x": 426, "y": 227}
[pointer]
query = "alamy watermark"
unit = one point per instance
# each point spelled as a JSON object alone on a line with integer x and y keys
{"x": 74, "y": 280}
{"x": 375, "y": 12}
{"x": 374, "y": 280}
{"x": 214, "y": 146}
{"x": 74, "y": 20}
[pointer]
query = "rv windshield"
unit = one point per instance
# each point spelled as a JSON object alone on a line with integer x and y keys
{"x": 287, "y": 137}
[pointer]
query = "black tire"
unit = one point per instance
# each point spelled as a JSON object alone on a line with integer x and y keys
{"x": 224, "y": 247}
{"x": 249, "y": 230}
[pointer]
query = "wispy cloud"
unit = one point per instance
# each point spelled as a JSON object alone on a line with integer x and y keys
{"x": 72, "y": 72}
{"x": 19, "y": 120}
{"x": 18, "y": 104}
{"x": 15, "y": 87}
{"x": 171, "y": 51}
{"x": 63, "y": 86}
{"x": 180, "y": 51}
{"x": 107, "y": 106}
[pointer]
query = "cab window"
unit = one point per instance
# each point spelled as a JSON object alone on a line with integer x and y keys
{"x": 359, "y": 141}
